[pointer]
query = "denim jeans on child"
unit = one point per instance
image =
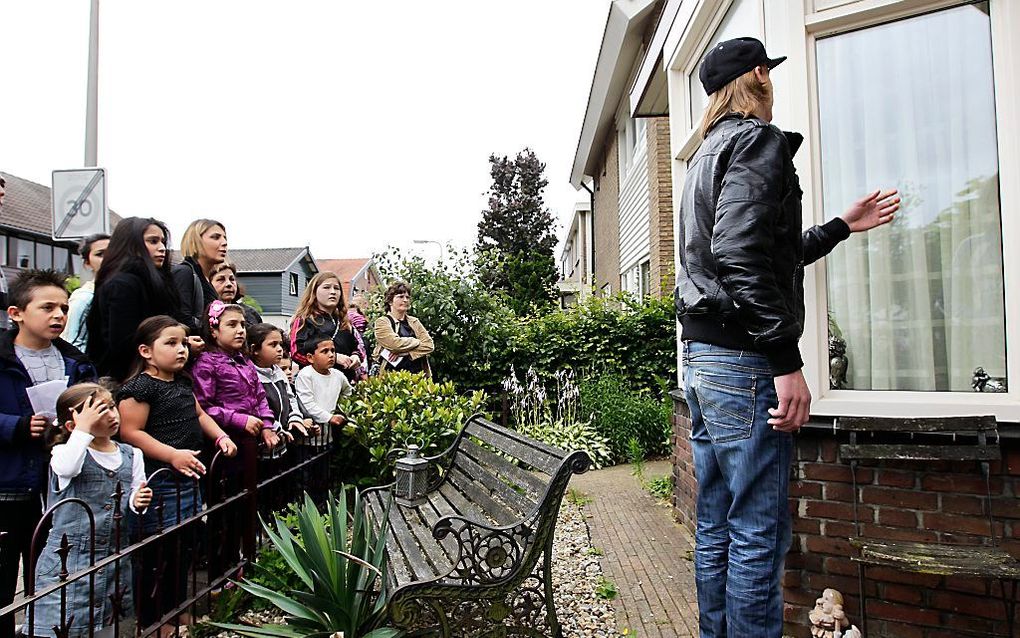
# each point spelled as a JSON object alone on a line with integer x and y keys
{"x": 743, "y": 471}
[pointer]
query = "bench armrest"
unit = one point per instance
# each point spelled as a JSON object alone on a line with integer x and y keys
{"x": 487, "y": 554}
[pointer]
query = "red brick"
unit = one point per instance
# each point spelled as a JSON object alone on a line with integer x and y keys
{"x": 902, "y": 613}
{"x": 971, "y": 624}
{"x": 977, "y": 586}
{"x": 902, "y": 594}
{"x": 807, "y": 526}
{"x": 807, "y": 449}
{"x": 1006, "y": 507}
{"x": 911, "y": 499}
{"x": 961, "y": 504}
{"x": 964, "y": 483}
{"x": 907, "y": 578}
{"x": 1012, "y": 460}
{"x": 959, "y": 603}
{"x": 897, "y": 518}
{"x": 841, "y": 566}
{"x": 830, "y": 448}
{"x": 896, "y": 478}
{"x": 800, "y": 597}
{"x": 845, "y": 584}
{"x": 805, "y": 489}
{"x": 837, "y": 472}
{"x": 977, "y": 525}
{"x": 841, "y": 511}
{"x": 839, "y": 492}
{"x": 791, "y": 579}
{"x": 899, "y": 534}
{"x": 833, "y": 546}
{"x": 839, "y": 529}
{"x": 893, "y": 629}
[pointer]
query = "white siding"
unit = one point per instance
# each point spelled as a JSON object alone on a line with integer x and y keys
{"x": 634, "y": 210}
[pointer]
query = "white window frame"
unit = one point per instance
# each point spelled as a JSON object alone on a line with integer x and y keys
{"x": 792, "y": 28}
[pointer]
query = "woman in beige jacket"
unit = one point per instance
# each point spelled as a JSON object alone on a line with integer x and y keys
{"x": 402, "y": 343}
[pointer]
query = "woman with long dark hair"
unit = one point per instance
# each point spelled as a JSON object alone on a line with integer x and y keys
{"x": 133, "y": 285}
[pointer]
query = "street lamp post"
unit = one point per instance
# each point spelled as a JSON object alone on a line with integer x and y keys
{"x": 442, "y": 253}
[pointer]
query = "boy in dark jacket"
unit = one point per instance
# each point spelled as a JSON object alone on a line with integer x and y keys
{"x": 30, "y": 353}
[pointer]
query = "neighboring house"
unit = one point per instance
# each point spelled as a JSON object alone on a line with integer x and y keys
{"x": 357, "y": 275}
{"x": 900, "y": 318}
{"x": 575, "y": 284}
{"x": 624, "y": 163}
{"x": 275, "y": 277}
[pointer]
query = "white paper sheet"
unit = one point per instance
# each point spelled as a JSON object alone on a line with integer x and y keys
{"x": 44, "y": 397}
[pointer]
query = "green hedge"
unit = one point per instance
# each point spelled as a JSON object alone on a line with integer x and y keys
{"x": 478, "y": 337}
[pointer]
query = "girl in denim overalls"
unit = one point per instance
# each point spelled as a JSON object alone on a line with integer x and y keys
{"x": 88, "y": 465}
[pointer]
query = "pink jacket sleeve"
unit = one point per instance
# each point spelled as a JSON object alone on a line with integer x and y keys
{"x": 204, "y": 375}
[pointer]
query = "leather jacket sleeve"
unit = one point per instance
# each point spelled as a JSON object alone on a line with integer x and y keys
{"x": 743, "y": 244}
{"x": 820, "y": 240}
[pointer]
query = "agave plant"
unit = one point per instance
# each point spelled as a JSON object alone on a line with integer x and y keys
{"x": 340, "y": 560}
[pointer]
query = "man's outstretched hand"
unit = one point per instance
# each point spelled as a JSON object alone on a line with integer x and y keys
{"x": 872, "y": 210}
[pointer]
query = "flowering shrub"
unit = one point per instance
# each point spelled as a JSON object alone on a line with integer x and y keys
{"x": 557, "y": 425}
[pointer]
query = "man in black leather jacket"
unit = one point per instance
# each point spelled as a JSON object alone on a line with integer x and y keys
{"x": 740, "y": 300}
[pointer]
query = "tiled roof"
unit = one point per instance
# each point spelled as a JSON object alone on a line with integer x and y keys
{"x": 27, "y": 206}
{"x": 344, "y": 268}
{"x": 249, "y": 260}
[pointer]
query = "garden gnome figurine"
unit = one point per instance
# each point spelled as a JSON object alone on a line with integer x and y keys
{"x": 827, "y": 618}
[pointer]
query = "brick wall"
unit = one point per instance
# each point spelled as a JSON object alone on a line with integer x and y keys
{"x": 660, "y": 204}
{"x": 607, "y": 216}
{"x": 899, "y": 501}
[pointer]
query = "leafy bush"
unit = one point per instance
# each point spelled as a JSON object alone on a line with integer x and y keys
{"x": 394, "y": 408}
{"x": 635, "y": 340}
{"x": 620, "y": 414}
{"x": 661, "y": 487}
{"x": 478, "y": 336}
{"x": 340, "y": 561}
{"x": 468, "y": 323}
{"x": 572, "y": 436}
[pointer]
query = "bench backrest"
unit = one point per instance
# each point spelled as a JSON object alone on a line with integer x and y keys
{"x": 505, "y": 475}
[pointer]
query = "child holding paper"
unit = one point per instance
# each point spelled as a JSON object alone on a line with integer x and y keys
{"x": 31, "y": 354}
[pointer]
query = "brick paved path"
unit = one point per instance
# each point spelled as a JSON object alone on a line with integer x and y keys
{"x": 647, "y": 554}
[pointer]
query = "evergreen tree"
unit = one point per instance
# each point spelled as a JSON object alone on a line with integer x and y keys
{"x": 516, "y": 237}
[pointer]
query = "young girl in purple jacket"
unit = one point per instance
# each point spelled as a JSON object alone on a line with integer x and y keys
{"x": 228, "y": 388}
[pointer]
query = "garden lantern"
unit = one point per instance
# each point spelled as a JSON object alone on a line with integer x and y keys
{"x": 412, "y": 475}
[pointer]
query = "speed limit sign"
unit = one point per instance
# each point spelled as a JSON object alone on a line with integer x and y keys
{"x": 79, "y": 203}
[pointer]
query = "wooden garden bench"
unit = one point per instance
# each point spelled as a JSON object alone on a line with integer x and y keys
{"x": 474, "y": 553}
{"x": 924, "y": 440}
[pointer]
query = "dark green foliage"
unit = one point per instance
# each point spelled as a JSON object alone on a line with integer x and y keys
{"x": 400, "y": 407}
{"x": 467, "y": 322}
{"x": 516, "y": 236}
{"x": 635, "y": 340}
{"x": 621, "y": 415}
{"x": 340, "y": 562}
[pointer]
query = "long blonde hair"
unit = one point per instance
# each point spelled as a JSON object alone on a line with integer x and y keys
{"x": 742, "y": 96}
{"x": 191, "y": 242}
{"x": 307, "y": 307}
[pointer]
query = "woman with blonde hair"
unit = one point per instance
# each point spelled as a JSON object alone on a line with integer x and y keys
{"x": 203, "y": 246}
{"x": 322, "y": 314}
{"x": 402, "y": 342}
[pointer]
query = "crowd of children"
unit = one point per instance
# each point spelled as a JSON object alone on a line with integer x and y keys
{"x": 178, "y": 373}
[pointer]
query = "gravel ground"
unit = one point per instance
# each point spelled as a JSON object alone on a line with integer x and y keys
{"x": 576, "y": 574}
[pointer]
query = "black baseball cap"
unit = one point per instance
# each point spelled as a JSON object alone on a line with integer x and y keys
{"x": 728, "y": 60}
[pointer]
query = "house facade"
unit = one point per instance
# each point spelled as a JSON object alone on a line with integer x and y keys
{"x": 922, "y": 96}
{"x": 357, "y": 275}
{"x": 623, "y": 163}
{"x": 275, "y": 277}
{"x": 576, "y": 277}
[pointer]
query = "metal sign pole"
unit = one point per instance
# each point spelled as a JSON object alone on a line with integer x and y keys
{"x": 92, "y": 99}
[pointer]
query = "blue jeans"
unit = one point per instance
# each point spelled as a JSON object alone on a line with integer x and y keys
{"x": 743, "y": 471}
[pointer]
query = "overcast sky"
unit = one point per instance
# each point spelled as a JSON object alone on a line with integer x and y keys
{"x": 345, "y": 126}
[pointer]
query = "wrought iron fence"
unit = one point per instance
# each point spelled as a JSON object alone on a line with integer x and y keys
{"x": 165, "y": 562}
